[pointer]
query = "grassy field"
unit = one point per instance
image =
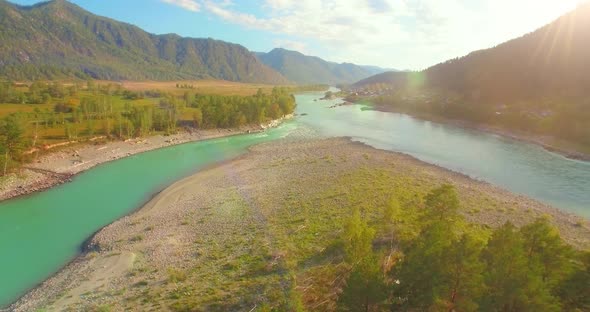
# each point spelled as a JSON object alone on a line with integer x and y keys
{"x": 42, "y": 121}
{"x": 215, "y": 87}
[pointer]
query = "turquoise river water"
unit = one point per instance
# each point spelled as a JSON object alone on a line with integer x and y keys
{"x": 40, "y": 233}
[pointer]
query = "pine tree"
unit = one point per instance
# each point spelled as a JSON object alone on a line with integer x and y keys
{"x": 365, "y": 287}
{"x": 462, "y": 283}
{"x": 574, "y": 290}
{"x": 12, "y": 140}
{"x": 420, "y": 273}
{"x": 358, "y": 238}
{"x": 511, "y": 284}
{"x": 442, "y": 203}
{"x": 547, "y": 254}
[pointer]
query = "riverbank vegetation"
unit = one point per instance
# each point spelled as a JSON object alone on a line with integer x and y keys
{"x": 37, "y": 116}
{"x": 565, "y": 119}
{"x": 435, "y": 261}
{"x": 404, "y": 247}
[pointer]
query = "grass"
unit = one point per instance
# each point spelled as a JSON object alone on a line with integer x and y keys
{"x": 214, "y": 87}
{"x": 277, "y": 239}
{"x": 176, "y": 275}
{"x": 580, "y": 222}
{"x": 137, "y": 238}
{"x": 141, "y": 283}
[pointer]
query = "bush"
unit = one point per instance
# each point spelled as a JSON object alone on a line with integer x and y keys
{"x": 175, "y": 275}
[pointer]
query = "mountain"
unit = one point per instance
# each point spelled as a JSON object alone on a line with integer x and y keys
{"x": 552, "y": 60}
{"x": 58, "y": 39}
{"x": 389, "y": 78}
{"x": 304, "y": 69}
{"x": 538, "y": 84}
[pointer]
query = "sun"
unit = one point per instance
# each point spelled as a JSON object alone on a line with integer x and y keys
{"x": 544, "y": 11}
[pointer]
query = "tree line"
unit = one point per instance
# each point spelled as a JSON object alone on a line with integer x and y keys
{"x": 435, "y": 261}
{"x": 81, "y": 111}
{"x": 564, "y": 118}
{"x": 214, "y": 111}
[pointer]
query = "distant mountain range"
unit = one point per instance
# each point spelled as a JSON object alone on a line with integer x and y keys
{"x": 58, "y": 39}
{"x": 303, "y": 69}
{"x": 390, "y": 78}
{"x": 554, "y": 60}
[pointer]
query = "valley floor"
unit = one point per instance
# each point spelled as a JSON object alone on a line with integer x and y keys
{"x": 261, "y": 230}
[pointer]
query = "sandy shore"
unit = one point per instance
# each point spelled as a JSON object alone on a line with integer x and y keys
{"x": 58, "y": 167}
{"x": 225, "y": 238}
{"x": 544, "y": 141}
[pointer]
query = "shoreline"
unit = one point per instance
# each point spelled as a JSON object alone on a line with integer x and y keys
{"x": 541, "y": 141}
{"x": 109, "y": 242}
{"x": 91, "y": 245}
{"x": 60, "y": 166}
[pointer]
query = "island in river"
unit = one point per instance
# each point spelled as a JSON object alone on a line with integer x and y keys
{"x": 246, "y": 232}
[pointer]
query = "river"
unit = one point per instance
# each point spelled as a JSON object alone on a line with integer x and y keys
{"x": 42, "y": 232}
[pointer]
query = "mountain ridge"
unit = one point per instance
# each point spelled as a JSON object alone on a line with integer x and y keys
{"x": 537, "y": 84}
{"x": 64, "y": 40}
{"x": 305, "y": 69}
{"x": 551, "y": 55}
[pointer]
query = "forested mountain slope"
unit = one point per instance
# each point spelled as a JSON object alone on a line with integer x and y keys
{"x": 550, "y": 61}
{"x": 58, "y": 39}
{"x": 538, "y": 83}
{"x": 305, "y": 69}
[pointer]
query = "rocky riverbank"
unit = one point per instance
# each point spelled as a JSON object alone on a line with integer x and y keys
{"x": 59, "y": 166}
{"x": 235, "y": 236}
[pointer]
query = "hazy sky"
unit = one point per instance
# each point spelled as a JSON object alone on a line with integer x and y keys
{"x": 402, "y": 34}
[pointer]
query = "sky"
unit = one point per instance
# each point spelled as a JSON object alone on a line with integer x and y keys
{"x": 399, "y": 34}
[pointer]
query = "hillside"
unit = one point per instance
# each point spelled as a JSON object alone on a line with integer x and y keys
{"x": 58, "y": 39}
{"x": 304, "y": 69}
{"x": 538, "y": 83}
{"x": 550, "y": 61}
{"x": 389, "y": 78}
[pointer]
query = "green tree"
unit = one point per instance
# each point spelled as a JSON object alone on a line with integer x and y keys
{"x": 546, "y": 252}
{"x": 12, "y": 139}
{"x": 358, "y": 238}
{"x": 421, "y": 273}
{"x": 391, "y": 213}
{"x": 574, "y": 290}
{"x": 365, "y": 287}
{"x": 462, "y": 282}
{"x": 511, "y": 284}
{"x": 90, "y": 127}
{"x": 107, "y": 127}
{"x": 71, "y": 130}
{"x": 439, "y": 271}
{"x": 442, "y": 203}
